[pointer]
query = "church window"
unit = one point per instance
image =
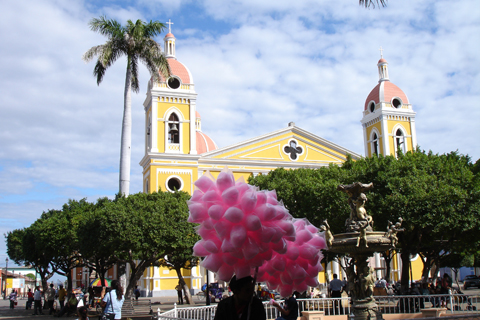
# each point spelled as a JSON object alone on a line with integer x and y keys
{"x": 293, "y": 150}
{"x": 397, "y": 103}
{"x": 375, "y": 144}
{"x": 372, "y": 107}
{"x": 174, "y": 183}
{"x": 173, "y": 83}
{"x": 399, "y": 141}
{"x": 173, "y": 129}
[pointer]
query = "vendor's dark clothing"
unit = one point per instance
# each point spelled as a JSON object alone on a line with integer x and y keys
{"x": 291, "y": 305}
{"x": 226, "y": 310}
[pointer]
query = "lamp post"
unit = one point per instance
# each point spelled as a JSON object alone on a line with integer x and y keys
{"x": 6, "y": 278}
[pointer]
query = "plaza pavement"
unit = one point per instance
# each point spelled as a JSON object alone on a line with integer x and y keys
{"x": 162, "y": 303}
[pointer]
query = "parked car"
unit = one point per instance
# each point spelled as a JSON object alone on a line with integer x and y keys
{"x": 471, "y": 281}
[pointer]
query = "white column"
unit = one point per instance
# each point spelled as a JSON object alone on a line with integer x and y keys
{"x": 193, "y": 131}
{"x": 154, "y": 129}
{"x": 385, "y": 136}
{"x": 378, "y": 265}
{"x": 414, "y": 132}
{"x": 335, "y": 268}
{"x": 365, "y": 139}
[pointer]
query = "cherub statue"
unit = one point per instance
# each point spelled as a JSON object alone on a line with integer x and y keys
{"x": 392, "y": 230}
{"x": 328, "y": 235}
{"x": 363, "y": 232}
{"x": 368, "y": 282}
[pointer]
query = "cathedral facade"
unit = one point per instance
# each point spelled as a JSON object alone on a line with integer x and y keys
{"x": 178, "y": 152}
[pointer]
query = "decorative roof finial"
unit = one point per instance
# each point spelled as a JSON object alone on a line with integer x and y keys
{"x": 381, "y": 53}
{"x": 169, "y": 26}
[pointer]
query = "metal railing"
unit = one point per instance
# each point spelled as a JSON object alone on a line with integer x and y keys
{"x": 455, "y": 303}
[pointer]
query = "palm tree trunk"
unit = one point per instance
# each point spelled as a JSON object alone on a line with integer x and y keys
{"x": 126, "y": 144}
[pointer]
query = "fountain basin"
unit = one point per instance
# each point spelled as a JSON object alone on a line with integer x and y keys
{"x": 347, "y": 243}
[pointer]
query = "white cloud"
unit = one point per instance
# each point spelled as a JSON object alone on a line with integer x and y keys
{"x": 257, "y": 65}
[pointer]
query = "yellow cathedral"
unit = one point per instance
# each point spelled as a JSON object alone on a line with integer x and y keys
{"x": 178, "y": 152}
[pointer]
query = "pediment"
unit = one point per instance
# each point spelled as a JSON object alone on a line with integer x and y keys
{"x": 291, "y": 144}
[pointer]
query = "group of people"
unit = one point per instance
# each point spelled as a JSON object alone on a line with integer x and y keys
{"x": 244, "y": 304}
{"x": 111, "y": 301}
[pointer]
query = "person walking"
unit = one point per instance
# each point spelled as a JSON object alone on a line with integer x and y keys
{"x": 243, "y": 302}
{"x": 37, "y": 301}
{"x": 113, "y": 301}
{"x": 62, "y": 293}
{"x": 179, "y": 293}
{"x": 50, "y": 297}
{"x": 13, "y": 298}
{"x": 30, "y": 299}
{"x": 289, "y": 310}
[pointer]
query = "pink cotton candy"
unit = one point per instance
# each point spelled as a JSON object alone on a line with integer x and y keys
{"x": 296, "y": 272}
{"x": 225, "y": 273}
{"x": 227, "y": 246}
{"x": 289, "y": 229}
{"x": 303, "y": 236}
{"x": 242, "y": 188}
{"x": 229, "y": 259}
{"x": 280, "y": 246}
{"x": 256, "y": 261}
{"x": 249, "y": 201}
{"x": 234, "y": 215}
{"x": 250, "y": 249}
{"x": 286, "y": 278}
{"x": 210, "y": 246}
{"x": 299, "y": 224}
{"x": 308, "y": 251}
{"x": 286, "y": 290}
{"x": 312, "y": 228}
{"x": 312, "y": 282}
{"x": 212, "y": 262}
{"x": 230, "y": 196}
{"x": 292, "y": 252}
{"x": 216, "y": 212}
{"x": 223, "y": 228}
{"x": 225, "y": 180}
{"x": 242, "y": 271}
{"x": 204, "y": 183}
{"x": 253, "y": 223}
{"x": 300, "y": 286}
{"x": 265, "y": 212}
{"x": 206, "y": 233}
{"x": 198, "y": 213}
{"x": 211, "y": 196}
{"x": 318, "y": 242}
{"x": 273, "y": 283}
{"x": 208, "y": 224}
{"x": 279, "y": 233}
{"x": 197, "y": 195}
{"x": 238, "y": 236}
{"x": 279, "y": 264}
{"x": 261, "y": 198}
{"x": 199, "y": 250}
{"x": 267, "y": 234}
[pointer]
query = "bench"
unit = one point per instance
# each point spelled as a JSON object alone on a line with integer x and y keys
{"x": 137, "y": 309}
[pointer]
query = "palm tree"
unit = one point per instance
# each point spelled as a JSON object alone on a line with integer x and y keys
{"x": 369, "y": 3}
{"x": 135, "y": 42}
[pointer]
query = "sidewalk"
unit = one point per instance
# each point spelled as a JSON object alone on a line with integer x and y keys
{"x": 162, "y": 303}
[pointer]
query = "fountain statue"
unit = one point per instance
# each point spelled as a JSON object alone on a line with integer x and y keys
{"x": 359, "y": 242}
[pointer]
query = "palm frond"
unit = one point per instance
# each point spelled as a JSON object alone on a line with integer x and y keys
{"x": 133, "y": 61}
{"x": 106, "y": 27}
{"x": 368, "y": 3}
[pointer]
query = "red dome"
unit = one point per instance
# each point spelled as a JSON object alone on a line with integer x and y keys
{"x": 385, "y": 91}
{"x": 197, "y": 114}
{"x": 204, "y": 143}
{"x": 382, "y": 60}
{"x": 178, "y": 69}
{"x": 169, "y": 35}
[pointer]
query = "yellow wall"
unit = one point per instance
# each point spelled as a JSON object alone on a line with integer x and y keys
{"x": 377, "y": 126}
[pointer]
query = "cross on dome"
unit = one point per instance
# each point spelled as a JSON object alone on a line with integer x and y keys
{"x": 381, "y": 52}
{"x": 169, "y": 26}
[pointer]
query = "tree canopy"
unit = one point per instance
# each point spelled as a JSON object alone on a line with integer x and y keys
{"x": 438, "y": 196}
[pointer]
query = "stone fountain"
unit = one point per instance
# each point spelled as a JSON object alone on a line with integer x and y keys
{"x": 359, "y": 242}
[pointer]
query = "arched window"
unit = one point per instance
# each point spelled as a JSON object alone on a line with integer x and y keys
{"x": 173, "y": 129}
{"x": 375, "y": 149}
{"x": 399, "y": 141}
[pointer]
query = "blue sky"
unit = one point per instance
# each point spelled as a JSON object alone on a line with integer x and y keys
{"x": 257, "y": 65}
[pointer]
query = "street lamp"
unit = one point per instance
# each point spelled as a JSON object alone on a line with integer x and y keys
{"x": 6, "y": 278}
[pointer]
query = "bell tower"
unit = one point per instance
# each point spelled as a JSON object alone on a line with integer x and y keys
{"x": 173, "y": 137}
{"x": 388, "y": 118}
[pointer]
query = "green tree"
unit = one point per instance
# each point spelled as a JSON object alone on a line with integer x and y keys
{"x": 368, "y": 3}
{"x": 135, "y": 41}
